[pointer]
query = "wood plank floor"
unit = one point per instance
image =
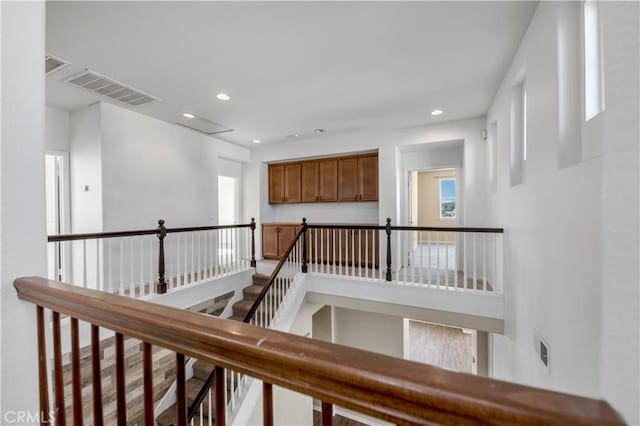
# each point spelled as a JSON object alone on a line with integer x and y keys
{"x": 442, "y": 346}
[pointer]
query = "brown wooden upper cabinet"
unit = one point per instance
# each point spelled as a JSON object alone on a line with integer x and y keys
{"x": 353, "y": 178}
{"x": 310, "y": 182}
{"x": 368, "y": 178}
{"x": 284, "y": 183}
{"x": 358, "y": 179}
{"x": 328, "y": 180}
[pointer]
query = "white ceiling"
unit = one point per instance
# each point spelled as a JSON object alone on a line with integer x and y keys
{"x": 292, "y": 67}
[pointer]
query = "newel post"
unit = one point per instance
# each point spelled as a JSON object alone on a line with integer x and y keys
{"x": 161, "y": 232}
{"x": 253, "y": 242}
{"x": 304, "y": 245}
{"x": 387, "y": 229}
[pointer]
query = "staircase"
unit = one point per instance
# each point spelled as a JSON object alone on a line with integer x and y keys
{"x": 202, "y": 370}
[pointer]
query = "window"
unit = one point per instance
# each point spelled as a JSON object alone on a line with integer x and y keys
{"x": 593, "y": 75}
{"x": 448, "y": 198}
{"x": 227, "y": 200}
{"x": 518, "y": 153}
{"x": 493, "y": 156}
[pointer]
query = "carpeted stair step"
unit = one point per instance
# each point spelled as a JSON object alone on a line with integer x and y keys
{"x": 260, "y": 279}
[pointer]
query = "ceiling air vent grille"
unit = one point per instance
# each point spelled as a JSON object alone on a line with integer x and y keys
{"x": 204, "y": 125}
{"x": 53, "y": 64}
{"x": 106, "y": 86}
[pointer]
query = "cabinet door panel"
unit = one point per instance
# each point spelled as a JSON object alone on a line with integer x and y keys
{"x": 328, "y": 180}
{"x": 347, "y": 179}
{"x": 368, "y": 178}
{"x": 285, "y": 236}
{"x": 269, "y": 241}
{"x": 276, "y": 184}
{"x": 292, "y": 187}
{"x": 310, "y": 182}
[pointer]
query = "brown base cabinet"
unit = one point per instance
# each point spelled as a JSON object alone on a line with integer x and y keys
{"x": 276, "y": 238}
{"x": 325, "y": 246}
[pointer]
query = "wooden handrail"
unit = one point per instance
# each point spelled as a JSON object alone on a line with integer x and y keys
{"x": 397, "y": 390}
{"x": 116, "y": 234}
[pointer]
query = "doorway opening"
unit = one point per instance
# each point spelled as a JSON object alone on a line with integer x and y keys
{"x": 228, "y": 214}
{"x": 56, "y": 212}
{"x": 432, "y": 203}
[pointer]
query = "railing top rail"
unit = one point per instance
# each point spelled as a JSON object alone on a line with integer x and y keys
{"x": 406, "y": 228}
{"x": 449, "y": 229}
{"x": 117, "y": 234}
{"x": 390, "y": 388}
{"x": 343, "y": 226}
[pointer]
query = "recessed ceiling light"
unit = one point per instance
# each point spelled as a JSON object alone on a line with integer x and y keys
{"x": 293, "y": 135}
{"x": 223, "y": 96}
{"x": 437, "y": 112}
{"x": 256, "y": 141}
{"x": 319, "y": 130}
{"x": 188, "y": 115}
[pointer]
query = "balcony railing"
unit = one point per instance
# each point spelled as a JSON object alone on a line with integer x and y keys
{"x": 392, "y": 389}
{"x": 152, "y": 261}
{"x": 460, "y": 258}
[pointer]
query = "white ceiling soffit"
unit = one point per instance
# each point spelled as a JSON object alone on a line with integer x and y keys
{"x": 108, "y": 87}
{"x": 53, "y": 64}
{"x": 204, "y": 126}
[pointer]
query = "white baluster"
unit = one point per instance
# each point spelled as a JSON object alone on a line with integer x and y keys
{"x": 132, "y": 288}
{"x": 359, "y": 254}
{"x": 412, "y": 257}
{"x": 120, "y": 285}
{"x": 464, "y": 260}
{"x": 404, "y": 260}
{"x": 446, "y": 261}
{"x": 429, "y": 257}
{"x": 333, "y": 253}
{"x": 366, "y": 253}
{"x": 322, "y": 250}
{"x": 110, "y": 266}
{"x": 151, "y": 280}
{"x": 184, "y": 258}
{"x": 98, "y": 286}
{"x": 485, "y": 287}
{"x": 84, "y": 263}
{"x": 353, "y": 254}
{"x": 438, "y": 259}
{"x": 142, "y": 290}
{"x": 475, "y": 279}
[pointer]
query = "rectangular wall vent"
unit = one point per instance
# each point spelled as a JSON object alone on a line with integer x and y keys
{"x": 106, "y": 86}
{"x": 53, "y": 64}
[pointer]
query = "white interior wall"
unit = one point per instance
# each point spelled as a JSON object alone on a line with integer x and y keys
{"x": 56, "y": 129}
{"x": 555, "y": 279}
{"x": 369, "y": 331}
{"x": 22, "y": 209}
{"x": 155, "y": 170}
{"x": 620, "y": 295}
{"x": 85, "y": 146}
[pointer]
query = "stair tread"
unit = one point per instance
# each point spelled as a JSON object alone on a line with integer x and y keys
{"x": 236, "y": 318}
{"x": 252, "y": 291}
{"x": 244, "y": 304}
{"x": 260, "y": 279}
